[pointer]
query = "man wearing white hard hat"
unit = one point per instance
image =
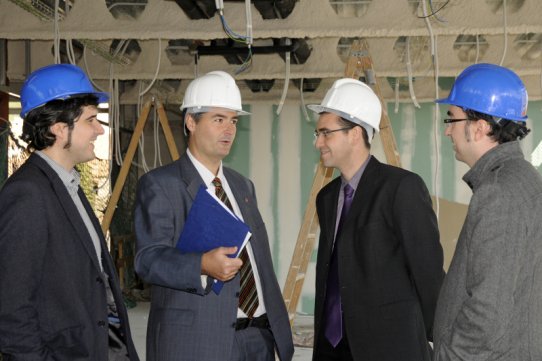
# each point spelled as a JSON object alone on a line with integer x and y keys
{"x": 379, "y": 265}
{"x": 59, "y": 294}
{"x": 490, "y": 305}
{"x": 247, "y": 319}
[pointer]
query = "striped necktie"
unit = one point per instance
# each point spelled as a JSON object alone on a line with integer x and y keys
{"x": 248, "y": 297}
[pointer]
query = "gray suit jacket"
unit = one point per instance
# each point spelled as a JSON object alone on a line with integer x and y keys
{"x": 52, "y": 295}
{"x": 490, "y": 305}
{"x": 186, "y": 321}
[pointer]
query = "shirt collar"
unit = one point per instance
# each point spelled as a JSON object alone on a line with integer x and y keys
{"x": 71, "y": 179}
{"x": 205, "y": 173}
{"x": 357, "y": 176}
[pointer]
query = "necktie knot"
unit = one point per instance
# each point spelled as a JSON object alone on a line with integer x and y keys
{"x": 217, "y": 183}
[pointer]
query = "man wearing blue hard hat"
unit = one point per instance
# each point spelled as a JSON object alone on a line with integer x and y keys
{"x": 490, "y": 305}
{"x": 59, "y": 295}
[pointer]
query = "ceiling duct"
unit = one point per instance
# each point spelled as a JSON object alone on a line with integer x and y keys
{"x": 350, "y": 8}
{"x": 274, "y": 9}
{"x": 309, "y": 84}
{"x": 123, "y": 9}
{"x": 206, "y": 9}
{"x": 260, "y": 85}
{"x": 236, "y": 53}
{"x": 470, "y": 48}
{"x": 511, "y": 5}
{"x": 301, "y": 49}
{"x": 181, "y": 51}
{"x": 198, "y": 9}
{"x": 45, "y": 9}
{"x": 129, "y": 49}
{"x": 64, "y": 57}
{"x": 529, "y": 46}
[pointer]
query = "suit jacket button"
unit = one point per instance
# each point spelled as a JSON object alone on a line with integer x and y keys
{"x": 101, "y": 323}
{"x": 237, "y": 294}
{"x": 99, "y": 280}
{"x": 233, "y": 324}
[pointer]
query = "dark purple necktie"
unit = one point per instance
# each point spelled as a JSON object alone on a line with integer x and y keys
{"x": 333, "y": 308}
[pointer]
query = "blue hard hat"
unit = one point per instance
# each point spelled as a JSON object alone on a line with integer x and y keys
{"x": 58, "y": 81}
{"x": 490, "y": 89}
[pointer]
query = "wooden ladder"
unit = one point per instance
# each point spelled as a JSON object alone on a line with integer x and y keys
{"x": 130, "y": 153}
{"x": 359, "y": 62}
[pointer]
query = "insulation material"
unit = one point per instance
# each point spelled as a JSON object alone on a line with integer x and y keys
{"x": 385, "y": 23}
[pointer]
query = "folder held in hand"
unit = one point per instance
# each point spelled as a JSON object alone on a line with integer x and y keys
{"x": 209, "y": 225}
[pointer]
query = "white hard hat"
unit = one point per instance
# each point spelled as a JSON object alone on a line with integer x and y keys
{"x": 354, "y": 101}
{"x": 216, "y": 89}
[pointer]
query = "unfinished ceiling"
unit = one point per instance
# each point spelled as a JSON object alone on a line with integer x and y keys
{"x": 170, "y": 41}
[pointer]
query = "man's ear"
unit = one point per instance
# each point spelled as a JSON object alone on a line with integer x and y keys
{"x": 58, "y": 129}
{"x": 189, "y": 122}
{"x": 481, "y": 129}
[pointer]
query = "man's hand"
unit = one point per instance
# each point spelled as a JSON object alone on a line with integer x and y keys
{"x": 218, "y": 265}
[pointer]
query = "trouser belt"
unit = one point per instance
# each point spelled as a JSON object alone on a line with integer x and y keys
{"x": 259, "y": 322}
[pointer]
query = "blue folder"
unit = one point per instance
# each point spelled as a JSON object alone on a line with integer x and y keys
{"x": 210, "y": 225}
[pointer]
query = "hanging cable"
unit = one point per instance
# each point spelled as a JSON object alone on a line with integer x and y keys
{"x": 243, "y": 39}
{"x": 286, "y": 82}
{"x": 56, "y": 41}
{"x": 477, "y": 48}
{"x": 157, "y": 68}
{"x": 302, "y": 97}
{"x": 88, "y": 71}
{"x": 434, "y": 12}
{"x": 409, "y": 73}
{"x": 505, "y": 25}
{"x": 436, "y": 113}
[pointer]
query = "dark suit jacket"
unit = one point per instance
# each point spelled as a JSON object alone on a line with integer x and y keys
{"x": 52, "y": 296}
{"x": 186, "y": 321}
{"x": 390, "y": 264}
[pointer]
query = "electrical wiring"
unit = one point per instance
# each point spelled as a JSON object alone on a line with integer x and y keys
{"x": 477, "y": 49}
{"x": 286, "y": 82}
{"x": 433, "y": 13}
{"x": 88, "y": 71}
{"x": 157, "y": 69}
{"x": 243, "y": 39}
{"x": 56, "y": 41}
{"x": 410, "y": 77}
{"x": 505, "y": 25}
{"x": 246, "y": 64}
{"x": 436, "y": 113}
{"x": 302, "y": 99}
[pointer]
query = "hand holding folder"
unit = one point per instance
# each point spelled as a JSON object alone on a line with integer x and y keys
{"x": 209, "y": 225}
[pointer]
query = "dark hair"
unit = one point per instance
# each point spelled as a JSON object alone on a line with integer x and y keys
{"x": 346, "y": 123}
{"x": 195, "y": 116}
{"x": 37, "y": 123}
{"x": 502, "y": 130}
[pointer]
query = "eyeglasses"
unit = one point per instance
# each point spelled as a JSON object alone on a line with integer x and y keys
{"x": 449, "y": 120}
{"x": 327, "y": 132}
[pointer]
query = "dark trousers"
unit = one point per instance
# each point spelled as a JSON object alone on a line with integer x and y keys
{"x": 326, "y": 351}
{"x": 253, "y": 344}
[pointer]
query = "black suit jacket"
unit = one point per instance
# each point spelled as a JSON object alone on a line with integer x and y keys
{"x": 390, "y": 264}
{"x": 52, "y": 296}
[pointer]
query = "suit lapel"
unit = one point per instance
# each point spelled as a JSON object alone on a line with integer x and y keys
{"x": 189, "y": 175}
{"x": 330, "y": 202}
{"x": 366, "y": 185}
{"x": 70, "y": 210}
